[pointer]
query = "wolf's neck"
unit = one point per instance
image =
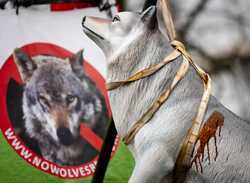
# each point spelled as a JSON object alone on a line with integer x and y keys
{"x": 147, "y": 49}
{"x": 130, "y": 102}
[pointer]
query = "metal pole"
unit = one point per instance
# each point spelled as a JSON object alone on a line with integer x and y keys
{"x": 105, "y": 154}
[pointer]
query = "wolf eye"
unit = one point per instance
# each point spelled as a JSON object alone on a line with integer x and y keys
{"x": 116, "y": 18}
{"x": 71, "y": 99}
{"x": 43, "y": 100}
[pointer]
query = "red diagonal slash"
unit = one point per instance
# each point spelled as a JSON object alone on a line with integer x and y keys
{"x": 92, "y": 138}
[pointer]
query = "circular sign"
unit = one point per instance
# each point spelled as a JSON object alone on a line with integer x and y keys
{"x": 55, "y": 118}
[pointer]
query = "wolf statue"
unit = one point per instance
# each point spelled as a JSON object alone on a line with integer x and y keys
{"x": 57, "y": 97}
{"x": 219, "y": 42}
{"x": 132, "y": 42}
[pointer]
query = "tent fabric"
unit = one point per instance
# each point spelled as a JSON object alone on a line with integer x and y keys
{"x": 39, "y": 24}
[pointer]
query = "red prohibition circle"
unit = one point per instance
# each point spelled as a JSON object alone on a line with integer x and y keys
{"x": 9, "y": 71}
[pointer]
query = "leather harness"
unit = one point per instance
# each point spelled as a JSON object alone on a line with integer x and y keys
{"x": 183, "y": 161}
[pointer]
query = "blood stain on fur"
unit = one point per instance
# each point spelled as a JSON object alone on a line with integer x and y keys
{"x": 214, "y": 122}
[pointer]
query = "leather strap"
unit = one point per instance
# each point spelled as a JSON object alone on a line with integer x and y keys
{"x": 168, "y": 20}
{"x": 183, "y": 161}
{"x": 157, "y": 104}
{"x": 145, "y": 72}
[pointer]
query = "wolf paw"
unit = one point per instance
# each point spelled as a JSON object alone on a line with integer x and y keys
{"x": 215, "y": 121}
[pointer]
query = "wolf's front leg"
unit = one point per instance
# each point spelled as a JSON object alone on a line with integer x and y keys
{"x": 152, "y": 166}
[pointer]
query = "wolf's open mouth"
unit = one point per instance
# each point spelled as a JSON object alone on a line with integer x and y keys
{"x": 88, "y": 30}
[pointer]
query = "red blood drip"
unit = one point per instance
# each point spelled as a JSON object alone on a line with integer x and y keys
{"x": 215, "y": 121}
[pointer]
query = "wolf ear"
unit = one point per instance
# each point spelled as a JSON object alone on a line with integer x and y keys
{"x": 25, "y": 65}
{"x": 76, "y": 62}
{"x": 149, "y": 17}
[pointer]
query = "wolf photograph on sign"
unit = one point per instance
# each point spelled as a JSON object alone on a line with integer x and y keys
{"x": 133, "y": 42}
{"x": 48, "y": 109}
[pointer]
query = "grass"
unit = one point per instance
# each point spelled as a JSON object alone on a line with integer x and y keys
{"x": 13, "y": 169}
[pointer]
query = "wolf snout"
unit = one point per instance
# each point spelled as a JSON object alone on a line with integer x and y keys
{"x": 65, "y": 136}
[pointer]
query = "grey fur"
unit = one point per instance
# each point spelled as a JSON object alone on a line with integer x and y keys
{"x": 59, "y": 95}
{"x": 157, "y": 144}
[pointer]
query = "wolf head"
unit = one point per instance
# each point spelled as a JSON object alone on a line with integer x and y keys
{"x": 56, "y": 97}
{"x": 131, "y": 42}
{"x": 114, "y": 36}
